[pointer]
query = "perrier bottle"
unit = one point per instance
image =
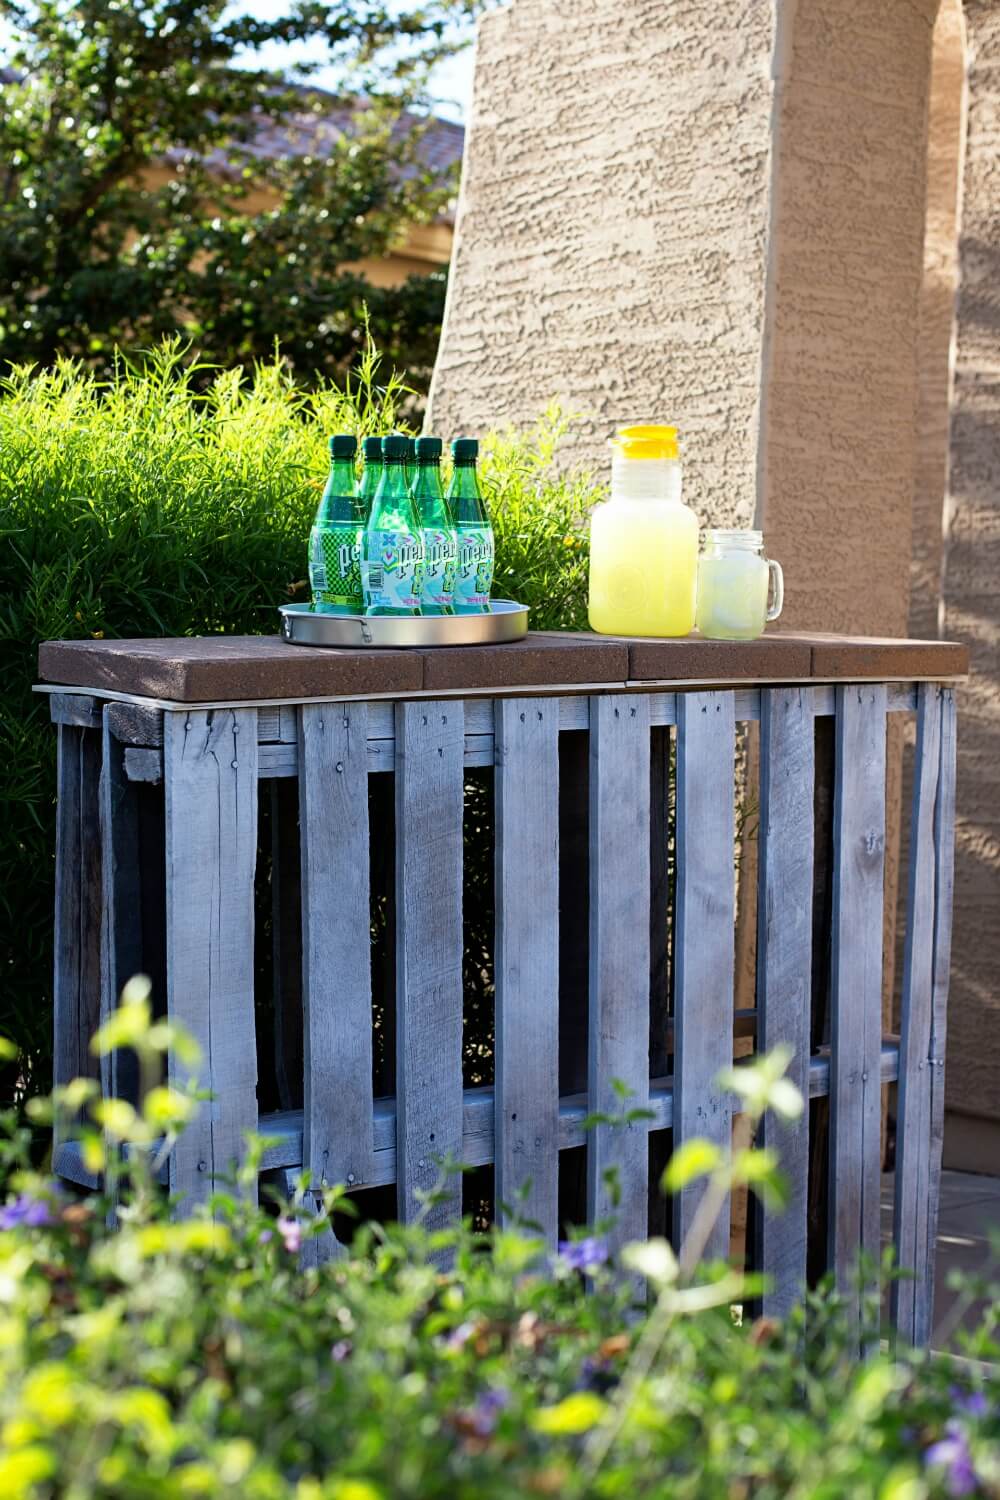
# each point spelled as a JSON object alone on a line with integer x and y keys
{"x": 335, "y": 539}
{"x": 436, "y": 530}
{"x": 371, "y": 474}
{"x": 391, "y": 548}
{"x": 474, "y": 577}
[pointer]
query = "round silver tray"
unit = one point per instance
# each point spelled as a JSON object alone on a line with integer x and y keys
{"x": 304, "y": 626}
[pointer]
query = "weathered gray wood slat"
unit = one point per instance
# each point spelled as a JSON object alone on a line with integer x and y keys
{"x": 285, "y": 1127}
{"x": 429, "y": 808}
{"x": 336, "y": 956}
{"x": 913, "y": 1122}
{"x": 75, "y": 710}
{"x": 784, "y": 968}
{"x": 944, "y": 881}
{"x": 526, "y": 963}
{"x": 141, "y": 729}
{"x": 210, "y": 763}
{"x": 856, "y": 981}
{"x": 618, "y": 1051}
{"x": 121, "y": 940}
{"x": 77, "y": 975}
{"x": 704, "y": 939}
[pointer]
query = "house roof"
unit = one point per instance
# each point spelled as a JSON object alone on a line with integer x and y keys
{"x": 311, "y": 132}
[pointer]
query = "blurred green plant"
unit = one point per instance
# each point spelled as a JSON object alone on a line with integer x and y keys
{"x": 171, "y": 1359}
{"x": 150, "y": 504}
{"x": 169, "y": 166}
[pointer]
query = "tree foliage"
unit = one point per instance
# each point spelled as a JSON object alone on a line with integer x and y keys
{"x": 135, "y": 199}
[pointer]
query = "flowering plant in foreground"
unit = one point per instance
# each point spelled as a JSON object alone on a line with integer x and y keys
{"x": 177, "y": 1358}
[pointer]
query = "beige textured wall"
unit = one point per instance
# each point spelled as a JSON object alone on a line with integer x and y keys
{"x": 972, "y": 594}
{"x": 935, "y": 357}
{"x": 610, "y": 243}
{"x": 840, "y": 371}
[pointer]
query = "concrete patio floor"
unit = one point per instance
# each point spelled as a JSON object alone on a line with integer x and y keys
{"x": 970, "y": 1209}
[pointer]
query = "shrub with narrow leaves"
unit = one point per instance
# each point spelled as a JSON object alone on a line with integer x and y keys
{"x": 196, "y": 1358}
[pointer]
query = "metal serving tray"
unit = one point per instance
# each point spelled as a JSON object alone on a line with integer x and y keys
{"x": 304, "y": 626}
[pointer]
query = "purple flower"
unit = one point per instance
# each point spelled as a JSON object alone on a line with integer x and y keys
{"x": 33, "y": 1213}
{"x": 974, "y": 1404}
{"x": 265, "y": 1236}
{"x": 340, "y": 1351}
{"x": 583, "y": 1255}
{"x": 485, "y": 1415}
{"x": 291, "y": 1233}
{"x": 459, "y": 1337}
{"x": 952, "y": 1454}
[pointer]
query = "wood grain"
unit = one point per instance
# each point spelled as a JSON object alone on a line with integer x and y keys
{"x": 526, "y": 963}
{"x": 704, "y": 940}
{"x": 856, "y": 982}
{"x": 784, "y": 969}
{"x": 913, "y": 1122}
{"x": 619, "y": 960}
{"x": 429, "y": 808}
{"x": 336, "y": 949}
{"x": 210, "y": 765}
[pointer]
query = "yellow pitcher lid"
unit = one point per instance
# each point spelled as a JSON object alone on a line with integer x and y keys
{"x": 646, "y": 440}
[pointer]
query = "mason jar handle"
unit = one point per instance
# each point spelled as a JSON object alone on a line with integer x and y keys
{"x": 778, "y": 585}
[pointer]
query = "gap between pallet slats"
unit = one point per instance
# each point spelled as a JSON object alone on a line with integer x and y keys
{"x": 429, "y": 811}
{"x": 210, "y": 761}
{"x": 784, "y": 970}
{"x": 77, "y": 976}
{"x": 704, "y": 941}
{"x": 121, "y": 941}
{"x": 526, "y": 962}
{"x": 856, "y": 984}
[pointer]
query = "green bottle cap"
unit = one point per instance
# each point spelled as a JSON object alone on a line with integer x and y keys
{"x": 428, "y": 450}
{"x": 373, "y": 450}
{"x": 394, "y": 448}
{"x": 465, "y": 450}
{"x": 344, "y": 445}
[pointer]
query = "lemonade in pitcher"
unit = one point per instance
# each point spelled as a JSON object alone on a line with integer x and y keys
{"x": 644, "y": 540}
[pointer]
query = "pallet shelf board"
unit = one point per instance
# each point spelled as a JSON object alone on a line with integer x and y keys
{"x": 237, "y": 669}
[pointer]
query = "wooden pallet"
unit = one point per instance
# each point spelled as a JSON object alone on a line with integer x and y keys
{"x": 569, "y": 875}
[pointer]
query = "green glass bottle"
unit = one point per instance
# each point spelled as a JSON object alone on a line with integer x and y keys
{"x": 334, "y": 541}
{"x": 371, "y": 474}
{"x": 474, "y": 578}
{"x": 391, "y": 550}
{"x": 410, "y": 461}
{"x": 436, "y": 530}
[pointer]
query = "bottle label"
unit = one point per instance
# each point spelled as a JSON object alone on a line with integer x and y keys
{"x": 391, "y": 570}
{"x": 335, "y": 565}
{"x": 475, "y": 567}
{"x": 440, "y": 562}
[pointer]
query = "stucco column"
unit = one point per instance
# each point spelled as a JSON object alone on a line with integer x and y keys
{"x": 972, "y": 613}
{"x": 612, "y": 227}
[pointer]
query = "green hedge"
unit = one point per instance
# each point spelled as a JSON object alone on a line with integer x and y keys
{"x": 145, "y": 507}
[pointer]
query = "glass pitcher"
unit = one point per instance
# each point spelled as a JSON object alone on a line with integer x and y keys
{"x": 734, "y": 581}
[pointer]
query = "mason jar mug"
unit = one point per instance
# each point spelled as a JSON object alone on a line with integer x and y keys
{"x": 735, "y": 581}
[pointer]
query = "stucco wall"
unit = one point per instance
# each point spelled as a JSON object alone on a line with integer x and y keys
{"x": 935, "y": 357}
{"x": 840, "y": 373}
{"x": 972, "y": 594}
{"x": 611, "y": 232}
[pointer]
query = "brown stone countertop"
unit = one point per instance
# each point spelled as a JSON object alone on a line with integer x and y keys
{"x": 240, "y": 668}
